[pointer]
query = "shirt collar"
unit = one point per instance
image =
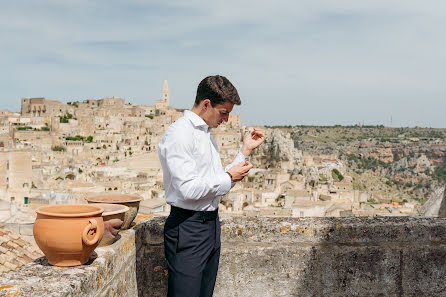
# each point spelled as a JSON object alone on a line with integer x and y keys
{"x": 196, "y": 120}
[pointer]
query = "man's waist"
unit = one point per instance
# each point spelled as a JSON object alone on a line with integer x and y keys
{"x": 200, "y": 214}
{"x": 204, "y": 204}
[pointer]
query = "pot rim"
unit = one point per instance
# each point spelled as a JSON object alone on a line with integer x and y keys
{"x": 113, "y": 198}
{"x": 43, "y": 210}
{"x": 112, "y": 212}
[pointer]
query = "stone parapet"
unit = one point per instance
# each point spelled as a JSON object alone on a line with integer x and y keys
{"x": 111, "y": 271}
{"x": 379, "y": 256}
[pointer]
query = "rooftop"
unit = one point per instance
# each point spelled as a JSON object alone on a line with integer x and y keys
{"x": 15, "y": 251}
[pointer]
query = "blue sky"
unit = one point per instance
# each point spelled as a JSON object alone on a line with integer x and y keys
{"x": 293, "y": 62}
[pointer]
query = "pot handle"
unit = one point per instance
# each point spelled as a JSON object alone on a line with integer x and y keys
{"x": 92, "y": 225}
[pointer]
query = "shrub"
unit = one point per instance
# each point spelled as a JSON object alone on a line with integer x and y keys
{"x": 337, "y": 176}
{"x": 439, "y": 174}
{"x": 58, "y": 148}
{"x": 75, "y": 138}
{"x": 63, "y": 119}
{"x": 24, "y": 128}
{"x": 279, "y": 197}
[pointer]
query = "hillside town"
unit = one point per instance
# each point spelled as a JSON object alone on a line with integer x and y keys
{"x": 53, "y": 152}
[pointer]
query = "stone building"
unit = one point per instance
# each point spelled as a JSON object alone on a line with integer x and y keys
{"x": 15, "y": 175}
{"x": 41, "y": 107}
{"x": 111, "y": 103}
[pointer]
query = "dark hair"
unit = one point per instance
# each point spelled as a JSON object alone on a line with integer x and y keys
{"x": 217, "y": 89}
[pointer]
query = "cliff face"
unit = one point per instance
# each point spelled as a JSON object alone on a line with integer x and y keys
{"x": 410, "y": 161}
{"x": 277, "y": 151}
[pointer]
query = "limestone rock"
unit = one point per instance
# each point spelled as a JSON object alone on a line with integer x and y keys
{"x": 278, "y": 151}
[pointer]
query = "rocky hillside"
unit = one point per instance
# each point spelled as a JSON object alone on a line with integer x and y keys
{"x": 394, "y": 163}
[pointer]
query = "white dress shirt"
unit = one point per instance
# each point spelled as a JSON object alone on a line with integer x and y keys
{"x": 192, "y": 172}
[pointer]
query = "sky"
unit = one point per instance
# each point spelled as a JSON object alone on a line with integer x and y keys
{"x": 307, "y": 62}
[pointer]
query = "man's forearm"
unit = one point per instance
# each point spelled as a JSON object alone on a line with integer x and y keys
{"x": 201, "y": 187}
{"x": 246, "y": 152}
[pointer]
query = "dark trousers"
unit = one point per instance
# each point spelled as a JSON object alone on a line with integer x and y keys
{"x": 192, "y": 249}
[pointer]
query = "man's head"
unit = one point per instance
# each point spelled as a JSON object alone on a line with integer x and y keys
{"x": 215, "y": 99}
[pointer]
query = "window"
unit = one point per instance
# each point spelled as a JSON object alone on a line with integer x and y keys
{"x": 301, "y": 213}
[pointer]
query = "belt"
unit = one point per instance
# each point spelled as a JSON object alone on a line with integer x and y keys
{"x": 198, "y": 214}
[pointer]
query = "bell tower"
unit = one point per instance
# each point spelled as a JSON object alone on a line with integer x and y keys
{"x": 165, "y": 97}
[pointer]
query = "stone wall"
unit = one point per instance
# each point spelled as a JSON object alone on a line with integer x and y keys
{"x": 111, "y": 271}
{"x": 380, "y": 256}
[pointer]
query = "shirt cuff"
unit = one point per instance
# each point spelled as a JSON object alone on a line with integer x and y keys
{"x": 240, "y": 158}
{"x": 225, "y": 184}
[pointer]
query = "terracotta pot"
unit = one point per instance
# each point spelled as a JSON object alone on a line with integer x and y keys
{"x": 113, "y": 216}
{"x": 131, "y": 201}
{"x": 68, "y": 233}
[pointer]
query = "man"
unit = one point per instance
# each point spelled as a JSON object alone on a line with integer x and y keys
{"x": 194, "y": 181}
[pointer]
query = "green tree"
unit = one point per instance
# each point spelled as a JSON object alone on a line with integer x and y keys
{"x": 337, "y": 176}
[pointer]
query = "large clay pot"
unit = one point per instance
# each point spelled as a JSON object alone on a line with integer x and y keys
{"x": 113, "y": 216}
{"x": 68, "y": 233}
{"x": 131, "y": 201}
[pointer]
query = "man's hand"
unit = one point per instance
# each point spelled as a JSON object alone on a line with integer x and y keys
{"x": 239, "y": 171}
{"x": 251, "y": 141}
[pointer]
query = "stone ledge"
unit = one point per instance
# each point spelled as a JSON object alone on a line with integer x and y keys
{"x": 339, "y": 231}
{"x": 111, "y": 271}
{"x": 336, "y": 257}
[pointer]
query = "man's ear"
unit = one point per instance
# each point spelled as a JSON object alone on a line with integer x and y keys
{"x": 206, "y": 103}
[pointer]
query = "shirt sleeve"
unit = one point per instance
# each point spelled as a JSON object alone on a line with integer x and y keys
{"x": 177, "y": 152}
{"x": 240, "y": 158}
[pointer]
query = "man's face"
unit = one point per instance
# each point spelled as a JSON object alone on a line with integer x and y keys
{"x": 214, "y": 116}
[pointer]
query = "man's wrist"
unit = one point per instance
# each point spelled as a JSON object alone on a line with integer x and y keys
{"x": 245, "y": 152}
{"x": 230, "y": 176}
